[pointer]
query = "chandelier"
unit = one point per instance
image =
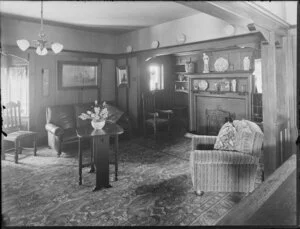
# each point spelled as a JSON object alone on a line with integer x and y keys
{"x": 42, "y": 43}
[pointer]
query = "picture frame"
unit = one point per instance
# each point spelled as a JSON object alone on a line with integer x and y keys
{"x": 77, "y": 74}
{"x": 122, "y": 76}
{"x": 45, "y": 82}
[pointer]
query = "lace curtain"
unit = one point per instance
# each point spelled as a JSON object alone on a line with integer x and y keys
{"x": 15, "y": 87}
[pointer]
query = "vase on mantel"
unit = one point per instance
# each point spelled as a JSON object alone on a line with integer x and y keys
{"x": 98, "y": 125}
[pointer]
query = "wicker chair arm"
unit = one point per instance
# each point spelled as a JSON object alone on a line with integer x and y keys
{"x": 223, "y": 157}
{"x": 201, "y": 140}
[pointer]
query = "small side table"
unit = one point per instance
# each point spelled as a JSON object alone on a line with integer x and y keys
{"x": 100, "y": 152}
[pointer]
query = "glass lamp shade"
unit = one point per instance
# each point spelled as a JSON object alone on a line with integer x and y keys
{"x": 57, "y": 47}
{"x": 23, "y": 44}
{"x": 41, "y": 52}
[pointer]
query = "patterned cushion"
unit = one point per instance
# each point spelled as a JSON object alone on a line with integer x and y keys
{"x": 245, "y": 137}
{"x": 226, "y": 137}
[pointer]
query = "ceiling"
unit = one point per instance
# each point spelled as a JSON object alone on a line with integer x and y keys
{"x": 115, "y": 17}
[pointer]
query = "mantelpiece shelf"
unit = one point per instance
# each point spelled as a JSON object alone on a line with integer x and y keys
{"x": 182, "y": 81}
{"x": 221, "y": 92}
{"x": 219, "y": 75}
{"x": 183, "y": 91}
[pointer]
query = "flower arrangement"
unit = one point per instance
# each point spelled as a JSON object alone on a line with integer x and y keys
{"x": 99, "y": 114}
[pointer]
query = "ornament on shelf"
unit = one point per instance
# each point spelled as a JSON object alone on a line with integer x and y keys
{"x": 189, "y": 67}
{"x": 205, "y": 61}
{"x": 246, "y": 63}
{"x": 233, "y": 85}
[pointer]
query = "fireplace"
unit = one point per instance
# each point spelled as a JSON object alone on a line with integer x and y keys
{"x": 236, "y": 103}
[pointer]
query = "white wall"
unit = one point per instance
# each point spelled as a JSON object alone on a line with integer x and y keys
{"x": 286, "y": 10}
{"x": 197, "y": 27}
{"x": 72, "y": 39}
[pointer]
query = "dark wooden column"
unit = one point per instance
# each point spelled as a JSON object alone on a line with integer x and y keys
{"x": 268, "y": 55}
{"x": 289, "y": 46}
{"x": 101, "y": 154}
{"x": 100, "y": 86}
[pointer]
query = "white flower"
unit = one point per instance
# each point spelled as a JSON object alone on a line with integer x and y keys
{"x": 89, "y": 112}
{"x": 97, "y": 110}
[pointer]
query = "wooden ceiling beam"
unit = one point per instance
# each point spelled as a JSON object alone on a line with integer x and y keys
{"x": 215, "y": 10}
{"x": 242, "y": 13}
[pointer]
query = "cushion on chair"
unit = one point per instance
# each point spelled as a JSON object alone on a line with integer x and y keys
{"x": 245, "y": 137}
{"x": 69, "y": 135}
{"x": 62, "y": 116}
{"x": 18, "y": 135}
{"x": 226, "y": 137}
{"x": 79, "y": 109}
{"x": 114, "y": 113}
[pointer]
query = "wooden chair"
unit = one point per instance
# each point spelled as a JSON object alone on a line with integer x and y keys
{"x": 153, "y": 117}
{"x": 11, "y": 114}
{"x": 216, "y": 118}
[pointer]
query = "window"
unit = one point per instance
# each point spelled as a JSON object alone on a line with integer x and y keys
{"x": 257, "y": 76}
{"x": 156, "y": 77}
{"x": 15, "y": 87}
{"x": 257, "y": 95}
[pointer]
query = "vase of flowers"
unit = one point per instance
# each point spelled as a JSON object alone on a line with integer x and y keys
{"x": 98, "y": 116}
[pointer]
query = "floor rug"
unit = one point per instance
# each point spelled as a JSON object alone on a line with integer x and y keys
{"x": 154, "y": 188}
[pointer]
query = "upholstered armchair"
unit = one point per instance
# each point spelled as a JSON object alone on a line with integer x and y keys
{"x": 229, "y": 166}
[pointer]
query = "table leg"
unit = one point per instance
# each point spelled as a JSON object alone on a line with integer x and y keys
{"x": 116, "y": 156}
{"x": 79, "y": 161}
{"x": 92, "y": 170}
{"x": 101, "y": 151}
{"x": 34, "y": 145}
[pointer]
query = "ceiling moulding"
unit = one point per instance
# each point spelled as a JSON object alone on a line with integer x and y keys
{"x": 68, "y": 51}
{"x": 242, "y": 13}
{"x": 110, "y": 31}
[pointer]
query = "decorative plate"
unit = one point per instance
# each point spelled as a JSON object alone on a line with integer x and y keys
{"x": 225, "y": 85}
{"x": 221, "y": 64}
{"x": 180, "y": 38}
{"x": 195, "y": 84}
{"x": 155, "y": 44}
{"x": 203, "y": 85}
{"x": 129, "y": 48}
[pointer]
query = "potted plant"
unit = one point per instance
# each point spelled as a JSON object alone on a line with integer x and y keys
{"x": 98, "y": 116}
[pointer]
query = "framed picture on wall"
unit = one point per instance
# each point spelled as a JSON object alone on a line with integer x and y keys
{"x": 122, "y": 76}
{"x": 75, "y": 74}
{"x": 45, "y": 82}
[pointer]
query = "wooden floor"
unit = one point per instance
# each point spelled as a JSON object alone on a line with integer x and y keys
{"x": 273, "y": 203}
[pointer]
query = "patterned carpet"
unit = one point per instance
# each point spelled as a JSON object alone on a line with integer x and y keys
{"x": 154, "y": 188}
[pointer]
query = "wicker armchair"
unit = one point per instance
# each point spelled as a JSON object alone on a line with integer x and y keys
{"x": 223, "y": 170}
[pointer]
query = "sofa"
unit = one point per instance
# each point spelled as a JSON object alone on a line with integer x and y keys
{"x": 62, "y": 122}
{"x": 227, "y": 162}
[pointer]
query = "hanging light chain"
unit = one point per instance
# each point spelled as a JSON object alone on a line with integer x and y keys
{"x": 42, "y": 25}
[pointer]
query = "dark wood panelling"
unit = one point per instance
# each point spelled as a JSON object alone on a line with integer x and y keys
{"x": 269, "y": 107}
{"x": 108, "y": 80}
{"x": 234, "y": 104}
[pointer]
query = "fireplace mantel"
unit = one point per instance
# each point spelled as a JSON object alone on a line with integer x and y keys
{"x": 237, "y": 102}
